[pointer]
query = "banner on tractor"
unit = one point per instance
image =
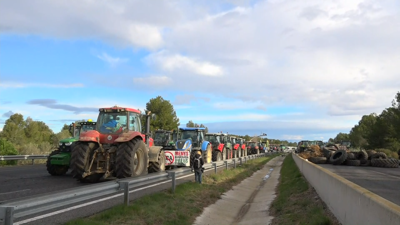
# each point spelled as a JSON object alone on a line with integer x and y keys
{"x": 177, "y": 158}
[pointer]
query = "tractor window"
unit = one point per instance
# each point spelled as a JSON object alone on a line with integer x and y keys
{"x": 111, "y": 123}
{"x": 223, "y": 139}
{"x": 201, "y": 137}
{"x": 134, "y": 122}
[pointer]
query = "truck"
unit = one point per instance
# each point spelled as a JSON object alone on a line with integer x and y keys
{"x": 116, "y": 148}
{"x": 58, "y": 161}
{"x": 190, "y": 141}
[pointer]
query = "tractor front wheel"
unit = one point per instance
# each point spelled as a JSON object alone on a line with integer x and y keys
{"x": 81, "y": 156}
{"x": 208, "y": 155}
{"x": 159, "y": 165}
{"x": 131, "y": 159}
{"x": 217, "y": 156}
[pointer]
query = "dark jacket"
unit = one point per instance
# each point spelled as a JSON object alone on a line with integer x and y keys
{"x": 201, "y": 161}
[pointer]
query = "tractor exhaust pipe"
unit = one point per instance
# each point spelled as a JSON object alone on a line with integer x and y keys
{"x": 147, "y": 134}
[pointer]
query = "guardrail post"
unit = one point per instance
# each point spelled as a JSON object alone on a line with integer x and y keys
{"x": 6, "y": 215}
{"x": 215, "y": 167}
{"x": 241, "y": 159}
{"x": 125, "y": 186}
{"x": 33, "y": 161}
{"x": 173, "y": 180}
{"x": 226, "y": 164}
{"x": 234, "y": 163}
{"x": 245, "y": 159}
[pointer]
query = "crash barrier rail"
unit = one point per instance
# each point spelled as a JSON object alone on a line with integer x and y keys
{"x": 349, "y": 202}
{"x": 22, "y": 157}
{"x": 27, "y": 207}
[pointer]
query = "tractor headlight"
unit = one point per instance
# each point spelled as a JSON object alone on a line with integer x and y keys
{"x": 68, "y": 143}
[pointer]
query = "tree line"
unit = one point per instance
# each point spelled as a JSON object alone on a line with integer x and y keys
{"x": 375, "y": 131}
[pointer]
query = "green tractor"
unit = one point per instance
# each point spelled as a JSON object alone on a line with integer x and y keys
{"x": 59, "y": 160}
{"x": 165, "y": 138}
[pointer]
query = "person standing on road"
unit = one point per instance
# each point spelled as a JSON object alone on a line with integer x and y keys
{"x": 197, "y": 167}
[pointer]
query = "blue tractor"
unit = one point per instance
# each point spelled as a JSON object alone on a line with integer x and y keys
{"x": 190, "y": 140}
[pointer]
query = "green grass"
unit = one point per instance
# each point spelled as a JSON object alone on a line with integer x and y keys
{"x": 295, "y": 202}
{"x": 180, "y": 208}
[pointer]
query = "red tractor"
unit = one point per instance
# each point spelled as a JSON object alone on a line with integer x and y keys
{"x": 243, "y": 147}
{"x": 116, "y": 148}
{"x": 218, "y": 146}
{"x": 236, "y": 146}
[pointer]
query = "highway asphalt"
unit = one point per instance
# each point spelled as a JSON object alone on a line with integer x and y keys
{"x": 384, "y": 182}
{"x": 28, "y": 180}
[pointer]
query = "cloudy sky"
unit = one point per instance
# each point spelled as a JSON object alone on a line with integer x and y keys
{"x": 291, "y": 69}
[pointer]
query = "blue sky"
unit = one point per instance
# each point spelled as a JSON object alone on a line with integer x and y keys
{"x": 291, "y": 69}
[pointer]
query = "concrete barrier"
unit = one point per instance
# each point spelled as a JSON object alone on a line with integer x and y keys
{"x": 350, "y": 203}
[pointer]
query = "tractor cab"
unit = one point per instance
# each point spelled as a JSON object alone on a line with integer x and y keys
{"x": 213, "y": 138}
{"x": 75, "y": 130}
{"x": 195, "y": 135}
{"x": 116, "y": 121}
{"x": 163, "y": 138}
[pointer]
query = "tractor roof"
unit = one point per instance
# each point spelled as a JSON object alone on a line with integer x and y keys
{"x": 192, "y": 128}
{"x": 214, "y": 134}
{"x": 87, "y": 123}
{"x": 118, "y": 109}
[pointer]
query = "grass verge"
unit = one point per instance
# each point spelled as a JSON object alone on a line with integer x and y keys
{"x": 296, "y": 201}
{"x": 180, "y": 208}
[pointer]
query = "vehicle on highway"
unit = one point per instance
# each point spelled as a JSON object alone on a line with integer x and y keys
{"x": 218, "y": 146}
{"x": 116, "y": 148}
{"x": 190, "y": 141}
{"x": 252, "y": 148}
{"x": 58, "y": 161}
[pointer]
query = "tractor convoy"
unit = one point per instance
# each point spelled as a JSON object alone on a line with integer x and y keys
{"x": 115, "y": 147}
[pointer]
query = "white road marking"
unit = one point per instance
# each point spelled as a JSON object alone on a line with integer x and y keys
{"x": 90, "y": 203}
{"x": 14, "y": 191}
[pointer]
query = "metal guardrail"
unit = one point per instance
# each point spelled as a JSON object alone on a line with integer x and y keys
{"x": 17, "y": 209}
{"x": 22, "y": 157}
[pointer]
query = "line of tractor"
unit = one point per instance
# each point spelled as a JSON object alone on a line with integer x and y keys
{"x": 116, "y": 146}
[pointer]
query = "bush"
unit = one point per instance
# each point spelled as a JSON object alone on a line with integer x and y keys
{"x": 7, "y": 148}
{"x": 388, "y": 152}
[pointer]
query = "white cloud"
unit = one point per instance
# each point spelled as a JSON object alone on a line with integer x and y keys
{"x": 177, "y": 62}
{"x": 44, "y": 85}
{"x": 112, "y": 61}
{"x": 122, "y": 23}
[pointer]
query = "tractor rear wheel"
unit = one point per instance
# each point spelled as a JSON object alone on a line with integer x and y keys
{"x": 159, "y": 165}
{"x": 81, "y": 156}
{"x": 55, "y": 170}
{"x": 217, "y": 156}
{"x": 131, "y": 159}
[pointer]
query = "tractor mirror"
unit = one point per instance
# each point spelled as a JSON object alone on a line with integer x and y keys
{"x": 153, "y": 116}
